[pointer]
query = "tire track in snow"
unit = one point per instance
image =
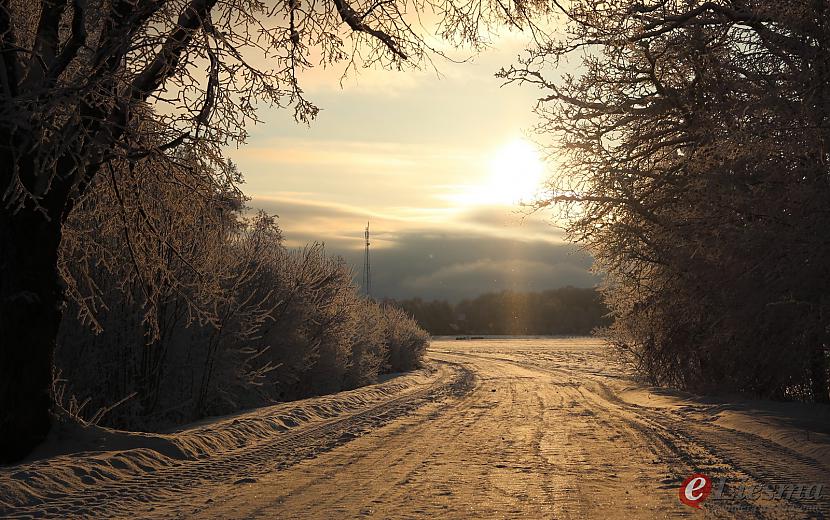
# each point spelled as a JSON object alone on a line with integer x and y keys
{"x": 148, "y": 491}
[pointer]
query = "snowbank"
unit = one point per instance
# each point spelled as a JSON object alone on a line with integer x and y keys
{"x": 76, "y": 457}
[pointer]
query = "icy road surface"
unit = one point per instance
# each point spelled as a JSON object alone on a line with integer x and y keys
{"x": 521, "y": 428}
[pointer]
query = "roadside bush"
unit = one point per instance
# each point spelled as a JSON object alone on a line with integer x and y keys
{"x": 369, "y": 350}
{"x": 407, "y": 341}
{"x": 206, "y": 312}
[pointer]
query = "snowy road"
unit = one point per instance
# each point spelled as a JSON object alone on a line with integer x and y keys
{"x": 501, "y": 429}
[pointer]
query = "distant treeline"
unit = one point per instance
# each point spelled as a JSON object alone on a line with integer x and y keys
{"x": 567, "y": 310}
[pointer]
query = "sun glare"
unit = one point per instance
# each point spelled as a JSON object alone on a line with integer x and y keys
{"x": 515, "y": 173}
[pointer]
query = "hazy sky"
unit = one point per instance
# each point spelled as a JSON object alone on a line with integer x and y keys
{"x": 436, "y": 165}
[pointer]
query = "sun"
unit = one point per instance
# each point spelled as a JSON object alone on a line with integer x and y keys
{"x": 515, "y": 174}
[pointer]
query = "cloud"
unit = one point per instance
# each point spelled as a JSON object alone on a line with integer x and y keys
{"x": 340, "y": 226}
{"x": 471, "y": 278}
{"x": 391, "y": 83}
{"x": 429, "y": 256}
{"x": 370, "y": 156}
{"x": 305, "y": 217}
{"x": 377, "y": 175}
{"x": 409, "y": 153}
{"x": 518, "y": 222}
{"x": 455, "y": 266}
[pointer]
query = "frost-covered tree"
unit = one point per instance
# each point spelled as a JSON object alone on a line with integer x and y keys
{"x": 694, "y": 142}
{"x": 86, "y": 83}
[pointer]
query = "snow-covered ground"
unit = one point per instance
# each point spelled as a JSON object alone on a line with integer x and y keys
{"x": 495, "y": 428}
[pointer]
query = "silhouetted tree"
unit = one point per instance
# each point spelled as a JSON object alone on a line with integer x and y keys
{"x": 85, "y": 84}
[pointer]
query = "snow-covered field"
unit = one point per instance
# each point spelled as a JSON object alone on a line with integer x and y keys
{"x": 494, "y": 428}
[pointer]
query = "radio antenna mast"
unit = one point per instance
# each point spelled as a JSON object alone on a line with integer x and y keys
{"x": 367, "y": 270}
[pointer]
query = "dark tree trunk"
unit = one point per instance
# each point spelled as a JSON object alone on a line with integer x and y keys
{"x": 31, "y": 297}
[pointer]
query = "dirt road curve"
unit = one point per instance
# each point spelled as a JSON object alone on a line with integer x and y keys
{"x": 499, "y": 431}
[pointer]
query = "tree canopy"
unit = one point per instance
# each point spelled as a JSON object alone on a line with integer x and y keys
{"x": 91, "y": 88}
{"x": 693, "y": 140}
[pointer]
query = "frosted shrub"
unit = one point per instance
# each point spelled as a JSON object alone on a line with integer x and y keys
{"x": 212, "y": 317}
{"x": 369, "y": 351}
{"x": 407, "y": 341}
